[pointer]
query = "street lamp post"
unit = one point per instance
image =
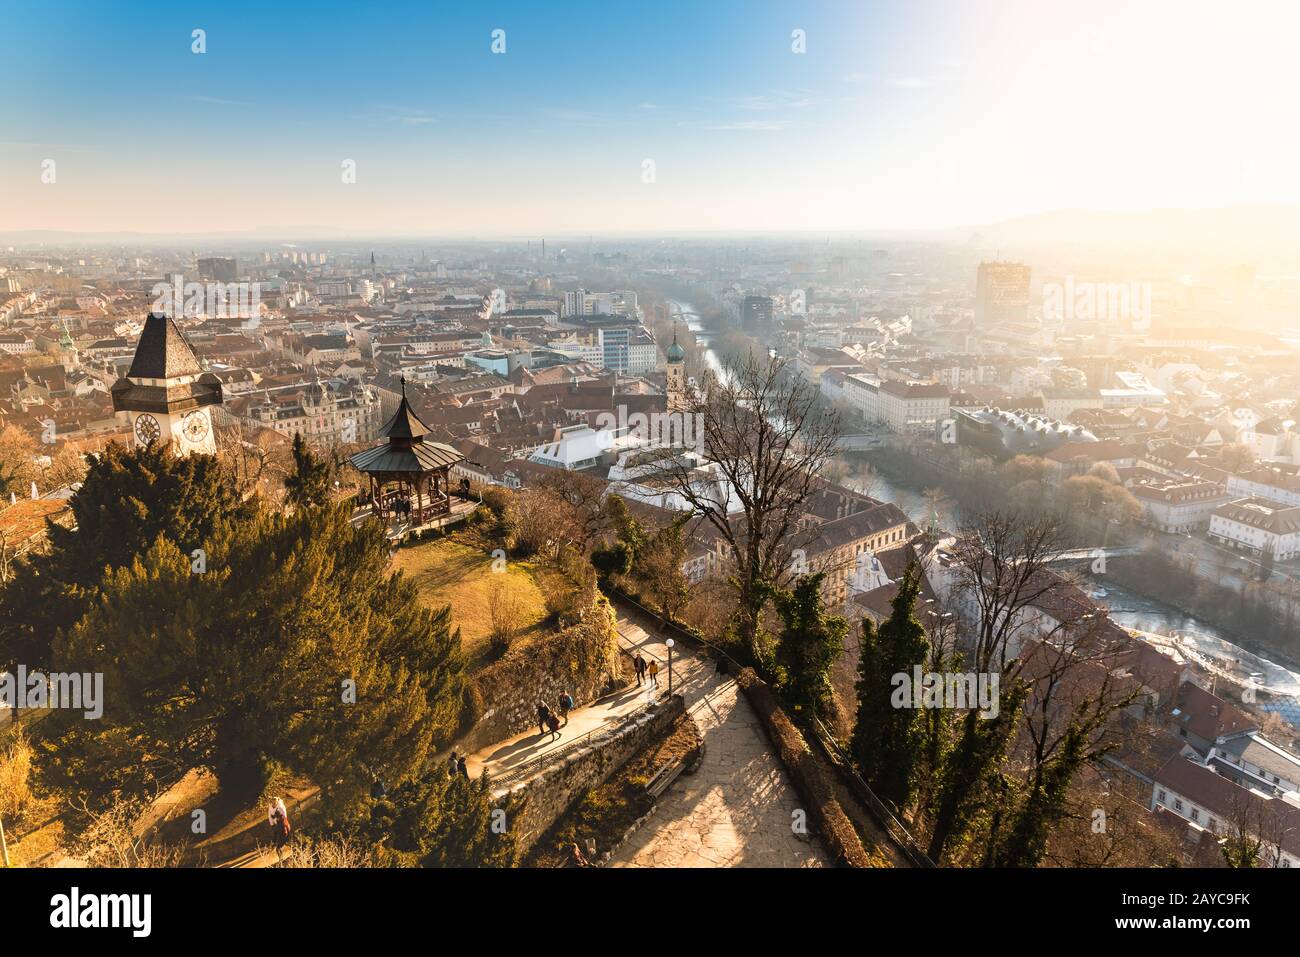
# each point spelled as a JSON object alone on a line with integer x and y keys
{"x": 670, "y": 665}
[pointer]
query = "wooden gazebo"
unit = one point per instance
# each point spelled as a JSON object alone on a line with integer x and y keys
{"x": 409, "y": 477}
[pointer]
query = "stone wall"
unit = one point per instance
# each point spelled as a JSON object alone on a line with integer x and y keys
{"x": 810, "y": 778}
{"x": 582, "y": 660}
{"x": 535, "y": 803}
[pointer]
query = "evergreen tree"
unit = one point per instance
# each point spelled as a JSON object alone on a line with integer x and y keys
{"x": 888, "y": 741}
{"x": 309, "y": 484}
{"x": 970, "y": 777}
{"x": 442, "y": 821}
{"x": 659, "y": 571}
{"x": 613, "y": 559}
{"x": 295, "y": 646}
{"x": 631, "y": 534}
{"x": 128, "y": 500}
{"x": 808, "y": 645}
{"x": 1044, "y": 806}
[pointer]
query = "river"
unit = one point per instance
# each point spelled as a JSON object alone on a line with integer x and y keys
{"x": 1127, "y": 608}
{"x": 684, "y": 312}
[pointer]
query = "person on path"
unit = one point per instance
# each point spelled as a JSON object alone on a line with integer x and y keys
{"x": 452, "y": 765}
{"x": 639, "y": 664}
{"x": 566, "y": 705}
{"x": 654, "y": 673}
{"x": 555, "y": 727}
{"x": 576, "y": 857}
{"x": 278, "y": 818}
{"x": 462, "y": 768}
{"x": 543, "y": 716}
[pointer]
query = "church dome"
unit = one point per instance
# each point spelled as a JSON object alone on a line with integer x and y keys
{"x": 675, "y": 352}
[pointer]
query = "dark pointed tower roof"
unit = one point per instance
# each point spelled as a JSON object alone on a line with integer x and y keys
{"x": 404, "y": 424}
{"x": 162, "y": 352}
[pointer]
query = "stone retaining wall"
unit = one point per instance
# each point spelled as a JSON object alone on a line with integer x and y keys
{"x": 582, "y": 660}
{"x": 535, "y": 803}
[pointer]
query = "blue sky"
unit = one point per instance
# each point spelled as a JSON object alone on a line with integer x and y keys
{"x": 907, "y": 114}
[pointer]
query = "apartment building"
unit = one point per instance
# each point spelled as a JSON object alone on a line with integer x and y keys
{"x": 1258, "y": 525}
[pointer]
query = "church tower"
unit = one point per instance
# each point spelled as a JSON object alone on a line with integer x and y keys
{"x": 676, "y": 377}
{"x": 166, "y": 394}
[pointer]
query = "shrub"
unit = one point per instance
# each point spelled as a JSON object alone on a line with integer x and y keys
{"x": 15, "y": 774}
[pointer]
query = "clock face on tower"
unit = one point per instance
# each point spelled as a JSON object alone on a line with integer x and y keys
{"x": 147, "y": 429}
{"x": 195, "y": 427}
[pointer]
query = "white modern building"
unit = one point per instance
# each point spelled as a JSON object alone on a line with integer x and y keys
{"x": 1258, "y": 525}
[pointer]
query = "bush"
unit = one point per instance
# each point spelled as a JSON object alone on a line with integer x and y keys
{"x": 15, "y": 775}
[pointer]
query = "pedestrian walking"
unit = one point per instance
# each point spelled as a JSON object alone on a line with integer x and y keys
{"x": 278, "y": 818}
{"x": 576, "y": 857}
{"x": 555, "y": 727}
{"x": 452, "y": 765}
{"x": 543, "y": 717}
{"x": 639, "y": 664}
{"x": 654, "y": 673}
{"x": 463, "y": 768}
{"x": 566, "y": 705}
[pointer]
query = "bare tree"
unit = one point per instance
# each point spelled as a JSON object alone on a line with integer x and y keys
{"x": 67, "y": 467}
{"x": 324, "y": 852}
{"x": 583, "y": 497}
{"x": 503, "y": 616}
{"x": 765, "y": 437}
{"x": 1003, "y": 573}
{"x": 112, "y": 838}
{"x": 259, "y": 462}
{"x": 1001, "y": 578}
{"x": 1256, "y": 829}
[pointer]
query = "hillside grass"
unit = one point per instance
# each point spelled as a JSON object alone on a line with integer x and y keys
{"x": 447, "y": 572}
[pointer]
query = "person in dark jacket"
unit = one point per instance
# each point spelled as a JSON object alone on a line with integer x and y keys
{"x": 543, "y": 716}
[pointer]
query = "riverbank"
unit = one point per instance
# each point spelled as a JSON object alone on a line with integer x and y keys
{"x": 1176, "y": 599}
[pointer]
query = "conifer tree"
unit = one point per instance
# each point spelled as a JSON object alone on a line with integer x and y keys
{"x": 295, "y": 646}
{"x": 808, "y": 645}
{"x": 129, "y": 499}
{"x": 309, "y": 483}
{"x": 444, "y": 820}
{"x": 887, "y": 741}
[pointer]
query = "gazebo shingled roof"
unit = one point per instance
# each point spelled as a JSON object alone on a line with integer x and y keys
{"x": 420, "y": 457}
{"x": 406, "y": 450}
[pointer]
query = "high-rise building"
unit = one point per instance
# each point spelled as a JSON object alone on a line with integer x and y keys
{"x": 218, "y": 270}
{"x": 1001, "y": 293}
{"x": 756, "y": 311}
{"x": 575, "y": 302}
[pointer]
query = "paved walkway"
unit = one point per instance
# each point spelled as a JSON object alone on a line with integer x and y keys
{"x": 505, "y": 756}
{"x": 737, "y": 809}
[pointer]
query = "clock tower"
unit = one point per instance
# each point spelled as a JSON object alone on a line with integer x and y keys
{"x": 166, "y": 394}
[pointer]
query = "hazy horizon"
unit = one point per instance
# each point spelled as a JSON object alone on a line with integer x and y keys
{"x": 728, "y": 119}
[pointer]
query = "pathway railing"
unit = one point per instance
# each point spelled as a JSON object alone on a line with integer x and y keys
{"x": 893, "y": 827}
{"x": 900, "y": 834}
{"x": 530, "y": 767}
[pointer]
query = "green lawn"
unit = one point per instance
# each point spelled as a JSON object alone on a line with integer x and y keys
{"x": 449, "y": 573}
